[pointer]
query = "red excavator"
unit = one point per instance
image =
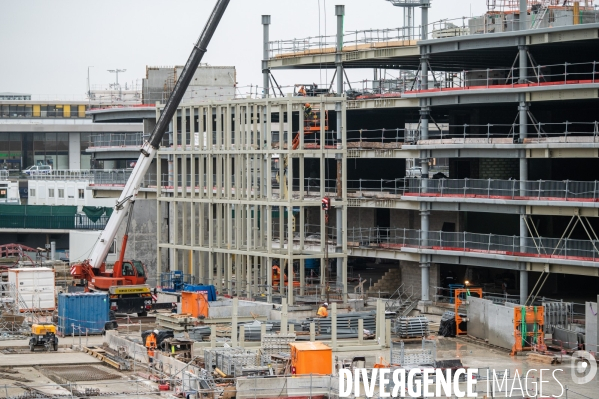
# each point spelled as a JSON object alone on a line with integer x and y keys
{"x": 126, "y": 281}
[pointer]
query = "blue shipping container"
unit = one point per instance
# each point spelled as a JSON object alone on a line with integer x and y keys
{"x": 208, "y": 289}
{"x": 85, "y": 311}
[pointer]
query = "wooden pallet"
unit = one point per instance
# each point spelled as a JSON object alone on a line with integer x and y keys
{"x": 99, "y": 354}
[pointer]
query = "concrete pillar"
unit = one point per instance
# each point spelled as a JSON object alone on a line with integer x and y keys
{"x": 380, "y": 321}
{"x": 53, "y": 250}
{"x": 360, "y": 331}
{"x": 213, "y": 336}
{"x": 334, "y": 325}
{"x": 523, "y": 286}
{"x": 265, "y": 56}
{"x": 262, "y": 331}
{"x": 234, "y": 323}
{"x": 283, "y": 315}
{"x": 387, "y": 333}
{"x": 75, "y": 152}
{"x": 523, "y": 15}
{"x": 340, "y": 13}
{"x": 424, "y": 259}
{"x": 424, "y": 5}
{"x": 241, "y": 336}
{"x": 312, "y": 332}
{"x": 523, "y": 127}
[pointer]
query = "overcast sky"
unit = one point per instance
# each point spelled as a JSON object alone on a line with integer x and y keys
{"x": 47, "y": 46}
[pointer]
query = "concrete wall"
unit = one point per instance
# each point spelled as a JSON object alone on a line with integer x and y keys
{"x": 411, "y": 276}
{"x": 491, "y": 322}
{"x": 590, "y": 326}
{"x": 499, "y": 168}
{"x": 360, "y": 217}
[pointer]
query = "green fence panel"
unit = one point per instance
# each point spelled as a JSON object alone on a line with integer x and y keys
{"x": 12, "y": 210}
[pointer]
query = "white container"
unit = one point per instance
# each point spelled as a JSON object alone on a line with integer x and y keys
{"x": 35, "y": 286}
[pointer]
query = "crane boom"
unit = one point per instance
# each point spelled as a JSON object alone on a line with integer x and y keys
{"x": 150, "y": 147}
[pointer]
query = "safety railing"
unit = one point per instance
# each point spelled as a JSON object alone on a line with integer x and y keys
{"x": 94, "y": 176}
{"x": 537, "y": 247}
{"x": 117, "y": 139}
{"x": 493, "y": 133}
{"x": 501, "y": 78}
{"x": 539, "y": 190}
{"x": 441, "y": 29}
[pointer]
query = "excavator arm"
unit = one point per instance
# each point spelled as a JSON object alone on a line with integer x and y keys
{"x": 150, "y": 147}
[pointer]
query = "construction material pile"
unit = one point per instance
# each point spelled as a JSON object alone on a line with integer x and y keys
{"x": 411, "y": 327}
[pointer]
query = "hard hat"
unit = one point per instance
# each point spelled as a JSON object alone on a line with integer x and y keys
{"x": 325, "y": 304}
{"x": 156, "y": 332}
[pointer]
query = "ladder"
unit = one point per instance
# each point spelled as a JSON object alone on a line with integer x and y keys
{"x": 540, "y": 16}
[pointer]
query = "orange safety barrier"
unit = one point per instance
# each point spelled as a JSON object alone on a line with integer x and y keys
{"x": 526, "y": 317}
{"x": 458, "y": 301}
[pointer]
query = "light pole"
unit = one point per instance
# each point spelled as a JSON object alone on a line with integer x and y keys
{"x": 116, "y": 85}
{"x": 89, "y": 91}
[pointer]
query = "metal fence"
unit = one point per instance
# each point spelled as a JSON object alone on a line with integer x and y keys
{"x": 403, "y": 36}
{"x": 537, "y": 247}
{"x": 117, "y": 139}
{"x": 546, "y": 190}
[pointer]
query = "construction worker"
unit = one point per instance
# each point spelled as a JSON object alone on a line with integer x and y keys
{"x": 151, "y": 344}
{"x": 302, "y": 91}
{"x": 323, "y": 310}
{"x": 307, "y": 110}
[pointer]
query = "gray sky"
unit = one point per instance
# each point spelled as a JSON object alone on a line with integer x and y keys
{"x": 46, "y": 46}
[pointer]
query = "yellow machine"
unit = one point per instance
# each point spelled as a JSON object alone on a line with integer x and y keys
{"x": 43, "y": 335}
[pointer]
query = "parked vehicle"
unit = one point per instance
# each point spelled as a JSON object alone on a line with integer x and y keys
{"x": 38, "y": 170}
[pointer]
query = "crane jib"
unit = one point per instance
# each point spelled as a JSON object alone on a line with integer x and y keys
{"x": 150, "y": 147}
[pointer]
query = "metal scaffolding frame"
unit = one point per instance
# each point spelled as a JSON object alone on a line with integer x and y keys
{"x": 229, "y": 219}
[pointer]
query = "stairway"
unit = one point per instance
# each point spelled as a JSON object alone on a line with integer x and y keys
{"x": 387, "y": 284}
{"x": 539, "y": 16}
{"x": 402, "y": 301}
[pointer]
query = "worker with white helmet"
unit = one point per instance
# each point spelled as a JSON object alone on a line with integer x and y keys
{"x": 323, "y": 310}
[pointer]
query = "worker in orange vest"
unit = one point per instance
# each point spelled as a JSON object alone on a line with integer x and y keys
{"x": 322, "y": 311}
{"x": 151, "y": 344}
{"x": 302, "y": 91}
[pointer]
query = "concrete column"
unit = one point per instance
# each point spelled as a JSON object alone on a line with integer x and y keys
{"x": 334, "y": 325}
{"x": 262, "y": 331}
{"x": 283, "y": 315}
{"x": 241, "y": 336}
{"x": 523, "y": 15}
{"x": 213, "y": 336}
{"x": 312, "y": 332}
{"x": 523, "y": 127}
{"x": 424, "y": 259}
{"x": 523, "y": 286}
{"x": 424, "y": 5}
{"x": 360, "y": 331}
{"x": 340, "y": 13}
{"x": 234, "y": 323}
{"x": 265, "y": 56}
{"x": 75, "y": 151}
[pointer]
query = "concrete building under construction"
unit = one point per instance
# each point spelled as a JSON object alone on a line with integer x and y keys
{"x": 505, "y": 102}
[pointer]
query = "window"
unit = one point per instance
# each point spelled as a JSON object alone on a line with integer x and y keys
{"x": 61, "y": 193}
{"x": 81, "y": 193}
{"x": 50, "y": 193}
{"x": 32, "y": 192}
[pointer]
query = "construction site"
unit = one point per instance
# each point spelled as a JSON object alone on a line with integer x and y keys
{"x": 443, "y": 215}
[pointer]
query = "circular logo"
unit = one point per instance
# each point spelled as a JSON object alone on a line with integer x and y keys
{"x": 584, "y": 367}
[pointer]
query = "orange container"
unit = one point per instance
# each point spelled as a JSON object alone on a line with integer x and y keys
{"x": 194, "y": 303}
{"x": 311, "y": 358}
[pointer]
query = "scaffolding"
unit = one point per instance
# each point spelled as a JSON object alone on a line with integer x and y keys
{"x": 232, "y": 217}
{"x": 513, "y": 6}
